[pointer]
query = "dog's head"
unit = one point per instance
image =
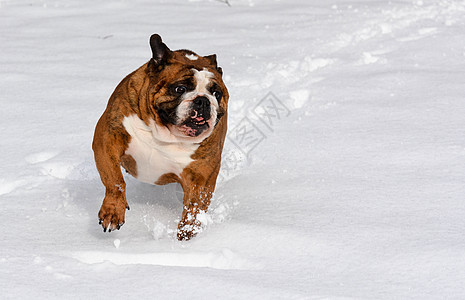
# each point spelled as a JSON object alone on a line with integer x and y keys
{"x": 188, "y": 96}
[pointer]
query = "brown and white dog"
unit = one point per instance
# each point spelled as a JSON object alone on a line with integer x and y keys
{"x": 165, "y": 122}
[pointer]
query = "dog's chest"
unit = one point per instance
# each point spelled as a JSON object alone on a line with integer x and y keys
{"x": 154, "y": 158}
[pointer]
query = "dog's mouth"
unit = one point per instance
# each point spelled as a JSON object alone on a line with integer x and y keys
{"x": 195, "y": 125}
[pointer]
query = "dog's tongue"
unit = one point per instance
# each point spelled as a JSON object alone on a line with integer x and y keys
{"x": 198, "y": 119}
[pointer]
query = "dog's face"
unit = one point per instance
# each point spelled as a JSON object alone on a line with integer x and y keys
{"x": 189, "y": 96}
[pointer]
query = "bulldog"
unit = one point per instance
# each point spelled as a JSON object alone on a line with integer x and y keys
{"x": 164, "y": 123}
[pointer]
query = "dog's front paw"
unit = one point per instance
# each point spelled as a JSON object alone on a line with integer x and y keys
{"x": 111, "y": 214}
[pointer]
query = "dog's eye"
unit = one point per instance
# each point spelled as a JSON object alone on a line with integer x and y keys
{"x": 217, "y": 95}
{"x": 180, "y": 89}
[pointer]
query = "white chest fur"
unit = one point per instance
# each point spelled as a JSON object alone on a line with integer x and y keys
{"x": 153, "y": 153}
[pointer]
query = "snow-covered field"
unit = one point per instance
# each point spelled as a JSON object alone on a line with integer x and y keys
{"x": 350, "y": 181}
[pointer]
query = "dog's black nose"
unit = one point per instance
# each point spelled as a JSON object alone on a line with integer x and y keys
{"x": 202, "y": 107}
{"x": 201, "y": 101}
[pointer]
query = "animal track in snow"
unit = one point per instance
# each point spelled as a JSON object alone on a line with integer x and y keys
{"x": 7, "y": 186}
{"x": 408, "y": 22}
{"x": 53, "y": 168}
{"x": 59, "y": 170}
{"x": 224, "y": 259}
{"x": 40, "y": 157}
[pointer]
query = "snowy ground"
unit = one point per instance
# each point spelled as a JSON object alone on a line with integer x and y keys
{"x": 355, "y": 190}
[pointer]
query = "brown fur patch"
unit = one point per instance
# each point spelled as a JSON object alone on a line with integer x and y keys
{"x": 129, "y": 164}
{"x": 167, "y": 178}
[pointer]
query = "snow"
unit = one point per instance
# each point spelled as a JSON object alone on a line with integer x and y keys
{"x": 349, "y": 184}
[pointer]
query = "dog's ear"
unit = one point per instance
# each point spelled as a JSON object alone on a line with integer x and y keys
{"x": 160, "y": 52}
{"x": 212, "y": 59}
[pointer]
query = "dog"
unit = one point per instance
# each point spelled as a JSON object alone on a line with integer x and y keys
{"x": 165, "y": 122}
